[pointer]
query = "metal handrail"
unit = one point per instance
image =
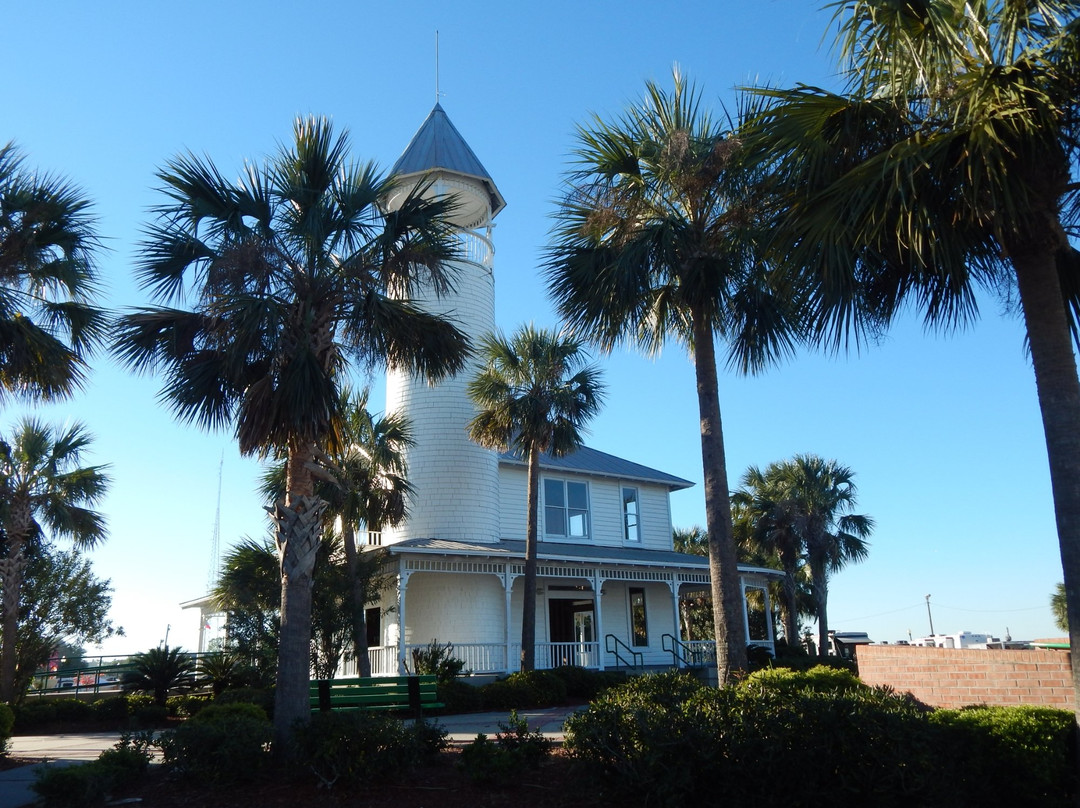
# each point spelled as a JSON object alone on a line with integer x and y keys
{"x": 637, "y": 657}
{"x": 684, "y": 652}
{"x": 677, "y": 650}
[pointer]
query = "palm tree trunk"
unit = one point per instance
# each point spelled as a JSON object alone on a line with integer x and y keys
{"x": 821, "y": 601}
{"x": 1059, "y": 402}
{"x": 528, "y": 606}
{"x": 728, "y": 622}
{"x": 791, "y": 607}
{"x": 359, "y": 601}
{"x": 12, "y": 568}
{"x": 11, "y": 576}
{"x": 298, "y": 522}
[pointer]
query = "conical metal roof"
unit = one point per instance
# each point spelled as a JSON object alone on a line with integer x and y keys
{"x": 438, "y": 146}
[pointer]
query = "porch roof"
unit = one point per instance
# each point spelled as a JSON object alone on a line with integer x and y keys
{"x": 565, "y": 551}
{"x": 585, "y": 460}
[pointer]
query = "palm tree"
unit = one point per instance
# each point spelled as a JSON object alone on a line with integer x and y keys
{"x": 818, "y": 496}
{"x": 292, "y": 272}
{"x": 366, "y": 485}
{"x": 657, "y": 238}
{"x": 248, "y": 591}
{"x": 45, "y": 493}
{"x": 48, "y": 322}
{"x": 765, "y": 523}
{"x": 160, "y": 670}
{"x": 1059, "y": 609}
{"x": 950, "y": 163}
{"x": 534, "y": 394}
{"x": 373, "y": 491}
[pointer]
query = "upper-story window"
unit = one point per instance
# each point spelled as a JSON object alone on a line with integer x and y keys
{"x": 631, "y": 514}
{"x": 566, "y": 509}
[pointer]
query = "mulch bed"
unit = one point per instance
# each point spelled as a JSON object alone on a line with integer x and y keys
{"x": 557, "y": 783}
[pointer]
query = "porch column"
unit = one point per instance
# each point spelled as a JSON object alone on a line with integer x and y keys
{"x": 402, "y": 584}
{"x": 675, "y": 603}
{"x": 598, "y": 596}
{"x": 508, "y": 588}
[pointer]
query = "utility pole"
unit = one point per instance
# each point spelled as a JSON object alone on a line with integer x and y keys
{"x": 929, "y": 615}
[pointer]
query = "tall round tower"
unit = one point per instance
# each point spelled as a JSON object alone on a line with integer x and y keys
{"x": 456, "y": 482}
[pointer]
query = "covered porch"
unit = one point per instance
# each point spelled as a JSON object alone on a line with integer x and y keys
{"x": 597, "y": 607}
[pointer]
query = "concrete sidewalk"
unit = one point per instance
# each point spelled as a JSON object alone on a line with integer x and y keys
{"x": 69, "y": 749}
{"x": 59, "y": 750}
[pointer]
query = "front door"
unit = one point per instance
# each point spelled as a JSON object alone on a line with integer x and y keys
{"x": 571, "y": 624}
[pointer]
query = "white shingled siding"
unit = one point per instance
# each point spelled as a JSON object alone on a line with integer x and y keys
{"x": 455, "y": 608}
{"x": 605, "y": 509}
{"x": 660, "y": 617}
{"x": 455, "y": 480}
{"x": 513, "y": 487}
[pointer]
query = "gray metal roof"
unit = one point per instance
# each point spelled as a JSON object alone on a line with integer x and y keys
{"x": 560, "y": 551}
{"x": 437, "y": 145}
{"x": 592, "y": 461}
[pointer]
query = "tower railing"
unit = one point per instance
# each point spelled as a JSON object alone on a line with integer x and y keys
{"x": 476, "y": 248}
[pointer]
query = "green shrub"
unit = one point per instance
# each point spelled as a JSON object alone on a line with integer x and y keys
{"x": 7, "y": 722}
{"x": 663, "y": 740}
{"x": 186, "y": 706}
{"x": 137, "y": 701}
{"x": 73, "y": 711}
{"x": 1013, "y": 756}
{"x": 227, "y": 712}
{"x": 262, "y": 696}
{"x": 114, "y": 709}
{"x": 582, "y": 683}
{"x": 437, "y": 660}
{"x": 150, "y": 715}
{"x": 229, "y": 747}
{"x": 513, "y": 749}
{"x": 92, "y": 783}
{"x": 357, "y": 747}
{"x": 525, "y": 689}
{"x": 803, "y": 662}
{"x": 819, "y": 679}
{"x": 460, "y": 697}
{"x": 33, "y": 714}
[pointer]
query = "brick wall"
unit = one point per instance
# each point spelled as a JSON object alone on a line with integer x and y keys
{"x": 954, "y": 677}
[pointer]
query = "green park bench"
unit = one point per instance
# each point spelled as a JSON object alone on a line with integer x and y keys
{"x": 412, "y": 693}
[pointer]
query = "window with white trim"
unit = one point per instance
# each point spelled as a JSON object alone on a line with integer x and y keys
{"x": 566, "y": 509}
{"x": 631, "y": 514}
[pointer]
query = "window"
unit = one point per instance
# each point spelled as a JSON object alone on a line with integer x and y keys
{"x": 631, "y": 530}
{"x": 566, "y": 509}
{"x": 639, "y": 624}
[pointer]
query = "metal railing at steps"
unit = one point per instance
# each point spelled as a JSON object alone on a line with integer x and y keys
{"x": 682, "y": 655}
{"x": 696, "y": 654}
{"x": 614, "y": 646}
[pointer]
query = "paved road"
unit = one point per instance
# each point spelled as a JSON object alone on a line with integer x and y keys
{"x": 70, "y": 749}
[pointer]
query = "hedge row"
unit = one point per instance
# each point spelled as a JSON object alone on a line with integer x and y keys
{"x": 820, "y": 738}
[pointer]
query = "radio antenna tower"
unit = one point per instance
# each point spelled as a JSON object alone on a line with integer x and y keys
{"x": 215, "y": 540}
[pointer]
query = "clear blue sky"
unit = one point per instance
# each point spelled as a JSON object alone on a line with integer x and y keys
{"x": 943, "y": 431}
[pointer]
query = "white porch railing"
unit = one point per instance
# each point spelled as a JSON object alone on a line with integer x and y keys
{"x": 558, "y": 654}
{"x": 479, "y": 657}
{"x": 487, "y": 657}
{"x": 700, "y": 653}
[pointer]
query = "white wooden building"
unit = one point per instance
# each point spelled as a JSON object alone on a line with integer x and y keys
{"x": 609, "y": 581}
